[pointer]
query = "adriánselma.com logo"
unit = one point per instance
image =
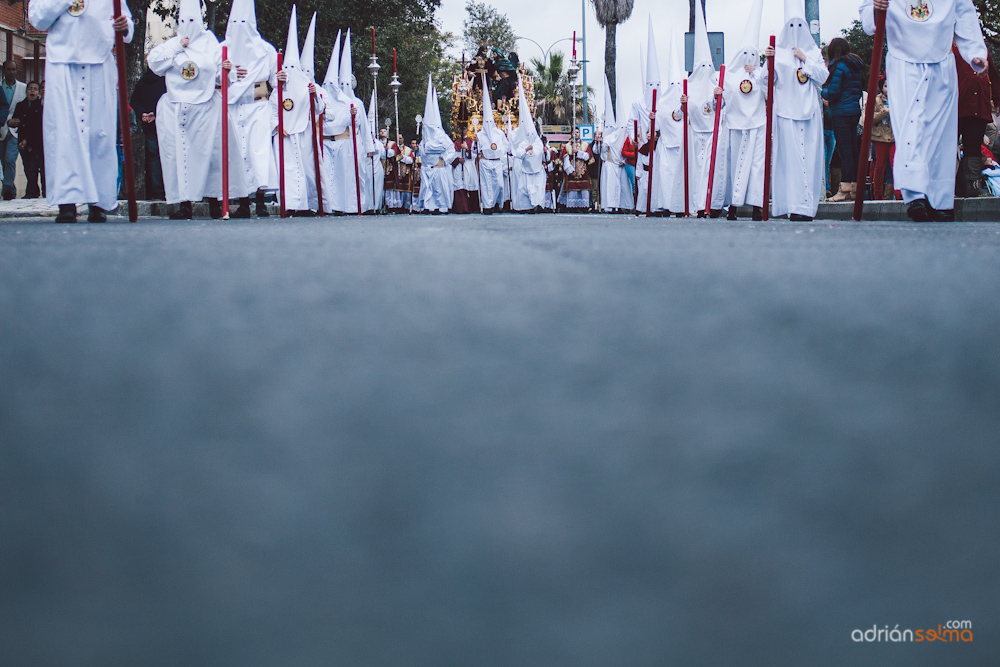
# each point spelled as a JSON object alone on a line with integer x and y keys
{"x": 952, "y": 631}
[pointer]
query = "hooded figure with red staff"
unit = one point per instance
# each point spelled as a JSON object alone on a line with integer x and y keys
{"x": 668, "y": 161}
{"x": 189, "y": 116}
{"x": 344, "y": 128}
{"x": 703, "y": 96}
{"x": 492, "y": 157}
{"x": 799, "y": 72}
{"x": 248, "y": 110}
{"x": 300, "y": 197}
{"x": 616, "y": 186}
{"x": 81, "y": 160}
{"x": 921, "y": 75}
{"x": 438, "y": 151}
{"x": 746, "y": 116}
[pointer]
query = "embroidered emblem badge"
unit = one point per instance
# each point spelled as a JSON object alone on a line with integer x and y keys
{"x": 921, "y": 10}
{"x": 288, "y": 104}
{"x": 78, "y": 7}
{"x": 802, "y": 76}
{"x": 189, "y": 70}
{"x": 746, "y": 86}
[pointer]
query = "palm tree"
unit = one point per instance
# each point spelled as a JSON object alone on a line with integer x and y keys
{"x": 551, "y": 85}
{"x": 609, "y": 14}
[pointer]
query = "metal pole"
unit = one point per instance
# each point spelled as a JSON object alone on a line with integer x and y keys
{"x": 583, "y": 11}
{"x": 812, "y": 18}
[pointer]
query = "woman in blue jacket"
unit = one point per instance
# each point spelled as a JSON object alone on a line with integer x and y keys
{"x": 842, "y": 93}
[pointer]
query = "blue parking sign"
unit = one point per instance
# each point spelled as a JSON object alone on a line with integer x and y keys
{"x": 586, "y": 132}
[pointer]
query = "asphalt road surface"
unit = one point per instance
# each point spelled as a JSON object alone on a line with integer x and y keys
{"x": 505, "y": 441}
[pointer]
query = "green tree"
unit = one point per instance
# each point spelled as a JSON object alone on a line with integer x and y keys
{"x": 861, "y": 42}
{"x": 609, "y": 14}
{"x": 554, "y": 91}
{"x": 486, "y": 25}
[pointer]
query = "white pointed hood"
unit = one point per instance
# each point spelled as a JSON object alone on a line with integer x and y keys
{"x": 189, "y": 21}
{"x": 308, "y": 57}
{"x": 191, "y": 76}
{"x": 346, "y": 76}
{"x": 492, "y": 142}
{"x": 247, "y": 49}
{"x": 795, "y": 91}
{"x": 669, "y": 119}
{"x": 332, "y": 79}
{"x": 434, "y": 140}
{"x": 526, "y": 134}
{"x": 337, "y": 117}
{"x": 703, "y": 79}
{"x": 744, "y": 94}
{"x": 652, "y": 68}
{"x": 290, "y": 59}
{"x": 614, "y": 135}
{"x": 296, "y": 88}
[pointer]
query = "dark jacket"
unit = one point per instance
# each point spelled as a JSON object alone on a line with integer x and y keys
{"x": 30, "y": 129}
{"x": 843, "y": 89}
{"x": 976, "y": 94}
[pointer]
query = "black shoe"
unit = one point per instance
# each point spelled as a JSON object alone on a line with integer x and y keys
{"x": 67, "y": 213}
{"x": 262, "y": 211}
{"x": 96, "y": 214}
{"x": 701, "y": 214}
{"x": 184, "y": 212}
{"x": 758, "y": 214}
{"x": 8, "y": 195}
{"x": 795, "y": 217}
{"x": 215, "y": 209}
{"x": 680, "y": 215}
{"x": 919, "y": 210}
{"x": 244, "y": 209}
{"x": 732, "y": 214}
{"x": 942, "y": 216}
{"x": 715, "y": 212}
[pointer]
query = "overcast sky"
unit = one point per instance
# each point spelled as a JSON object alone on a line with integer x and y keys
{"x": 546, "y": 21}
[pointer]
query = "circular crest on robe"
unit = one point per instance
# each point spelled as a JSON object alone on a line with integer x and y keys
{"x": 707, "y": 108}
{"x": 677, "y": 115}
{"x": 802, "y": 76}
{"x": 189, "y": 70}
{"x": 78, "y": 7}
{"x": 288, "y": 104}
{"x": 493, "y": 147}
{"x": 921, "y": 10}
{"x": 746, "y": 85}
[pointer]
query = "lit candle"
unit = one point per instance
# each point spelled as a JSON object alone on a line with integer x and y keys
{"x": 373, "y": 40}
{"x": 394, "y": 61}
{"x": 574, "y": 45}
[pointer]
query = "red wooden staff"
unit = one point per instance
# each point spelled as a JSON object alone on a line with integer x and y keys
{"x": 768, "y": 137}
{"x": 225, "y": 137}
{"x": 316, "y": 147}
{"x": 652, "y": 149}
{"x": 123, "y": 120}
{"x": 866, "y": 134}
{"x": 687, "y": 174}
{"x": 715, "y": 143}
{"x": 635, "y": 142}
{"x": 281, "y": 144}
{"x": 357, "y": 173}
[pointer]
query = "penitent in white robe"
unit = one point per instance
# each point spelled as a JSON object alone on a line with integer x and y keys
{"x": 80, "y": 116}
{"x": 436, "y": 181}
{"x": 746, "y": 113}
{"x": 616, "y": 187}
{"x": 189, "y": 123}
{"x": 923, "y": 85}
{"x": 300, "y": 170}
{"x": 528, "y": 177}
